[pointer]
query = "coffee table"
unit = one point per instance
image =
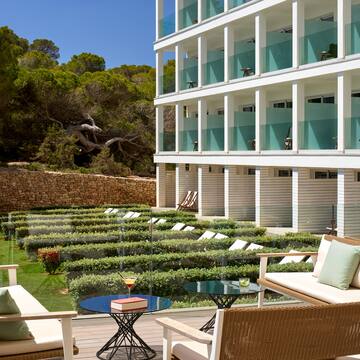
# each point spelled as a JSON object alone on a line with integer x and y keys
{"x": 222, "y": 292}
{"x": 125, "y": 342}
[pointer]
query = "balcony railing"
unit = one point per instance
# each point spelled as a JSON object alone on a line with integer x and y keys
{"x": 235, "y": 3}
{"x": 213, "y": 8}
{"x": 277, "y": 132}
{"x": 189, "y": 136}
{"x": 319, "y": 129}
{"x": 167, "y": 25}
{"x": 353, "y": 32}
{"x": 167, "y": 141}
{"x": 214, "y": 68}
{"x": 242, "y": 63}
{"x": 242, "y": 135}
{"x": 189, "y": 74}
{"x": 277, "y": 54}
{"x": 352, "y": 126}
{"x": 188, "y": 14}
{"x": 167, "y": 84}
{"x": 319, "y": 42}
{"x": 213, "y": 135}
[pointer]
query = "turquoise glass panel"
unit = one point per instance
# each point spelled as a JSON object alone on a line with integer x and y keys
{"x": 167, "y": 141}
{"x": 353, "y": 32}
{"x": 235, "y": 3}
{"x": 213, "y": 7}
{"x": 319, "y": 42}
{"x": 278, "y": 51}
{"x": 189, "y": 135}
{"x": 167, "y": 25}
{"x": 319, "y": 129}
{"x": 214, "y": 68}
{"x": 213, "y": 135}
{"x": 352, "y": 126}
{"x": 189, "y": 75}
{"x": 278, "y": 127}
{"x": 189, "y": 14}
{"x": 242, "y": 63}
{"x": 167, "y": 83}
{"x": 242, "y": 134}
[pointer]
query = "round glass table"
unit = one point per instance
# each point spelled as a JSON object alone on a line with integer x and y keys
{"x": 222, "y": 292}
{"x": 125, "y": 343}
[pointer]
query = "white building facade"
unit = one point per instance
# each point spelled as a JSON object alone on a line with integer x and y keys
{"x": 259, "y": 110}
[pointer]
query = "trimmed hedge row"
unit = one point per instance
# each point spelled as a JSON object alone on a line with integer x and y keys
{"x": 169, "y": 283}
{"x": 165, "y": 262}
{"x": 97, "y": 251}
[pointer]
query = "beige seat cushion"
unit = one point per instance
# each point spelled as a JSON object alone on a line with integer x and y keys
{"x": 307, "y": 284}
{"x": 191, "y": 350}
{"x": 47, "y": 333}
{"x": 352, "y": 357}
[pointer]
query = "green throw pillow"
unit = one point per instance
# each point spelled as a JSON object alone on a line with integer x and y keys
{"x": 340, "y": 265}
{"x": 12, "y": 330}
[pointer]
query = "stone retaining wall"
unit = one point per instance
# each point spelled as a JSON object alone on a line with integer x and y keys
{"x": 22, "y": 189}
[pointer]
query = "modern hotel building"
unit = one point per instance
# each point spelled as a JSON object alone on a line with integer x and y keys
{"x": 259, "y": 111}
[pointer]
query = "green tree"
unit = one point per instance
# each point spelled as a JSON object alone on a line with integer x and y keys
{"x": 35, "y": 60}
{"x": 47, "y": 47}
{"x": 85, "y": 62}
{"x": 105, "y": 163}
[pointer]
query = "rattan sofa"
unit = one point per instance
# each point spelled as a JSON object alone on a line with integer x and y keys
{"x": 277, "y": 333}
{"x": 302, "y": 285}
{"x": 52, "y": 338}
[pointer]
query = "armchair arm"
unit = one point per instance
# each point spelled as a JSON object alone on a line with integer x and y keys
{"x": 12, "y": 273}
{"x": 40, "y": 316}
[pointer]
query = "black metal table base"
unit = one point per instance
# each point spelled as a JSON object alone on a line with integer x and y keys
{"x": 222, "y": 302}
{"x": 126, "y": 343}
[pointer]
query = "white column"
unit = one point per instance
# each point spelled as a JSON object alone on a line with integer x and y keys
{"x": 200, "y": 11}
{"x": 297, "y": 112}
{"x": 228, "y": 51}
{"x": 298, "y": 15}
{"x": 179, "y": 113}
{"x": 257, "y": 196}
{"x": 260, "y": 116}
{"x": 159, "y": 71}
{"x": 228, "y": 119}
{"x": 177, "y": 184}
{"x": 200, "y": 190}
{"x": 160, "y": 185}
{"x": 343, "y": 106}
{"x": 343, "y": 18}
{"x": 202, "y": 58}
{"x": 202, "y": 120}
{"x": 341, "y": 180}
{"x": 295, "y": 199}
{"x": 260, "y": 41}
{"x": 159, "y": 15}
{"x": 178, "y": 6}
{"x": 159, "y": 114}
{"x": 179, "y": 65}
{"x": 226, "y": 5}
{"x": 227, "y": 191}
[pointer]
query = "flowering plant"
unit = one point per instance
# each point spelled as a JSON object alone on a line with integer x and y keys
{"x": 50, "y": 258}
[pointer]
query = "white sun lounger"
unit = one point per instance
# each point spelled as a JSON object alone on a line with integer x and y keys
{"x": 220, "y": 236}
{"x": 189, "y": 228}
{"x": 292, "y": 259}
{"x": 128, "y": 215}
{"x": 253, "y": 246}
{"x": 152, "y": 220}
{"x": 177, "y": 227}
{"x": 135, "y": 215}
{"x": 115, "y": 211}
{"x": 238, "y": 245}
{"x": 161, "y": 221}
{"x": 207, "y": 235}
{"x": 108, "y": 210}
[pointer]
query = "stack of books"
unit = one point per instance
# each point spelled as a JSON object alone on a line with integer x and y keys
{"x": 127, "y": 304}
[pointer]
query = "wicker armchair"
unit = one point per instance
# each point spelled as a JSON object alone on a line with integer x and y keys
{"x": 296, "y": 333}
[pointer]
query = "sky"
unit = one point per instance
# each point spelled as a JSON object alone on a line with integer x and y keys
{"x": 122, "y": 31}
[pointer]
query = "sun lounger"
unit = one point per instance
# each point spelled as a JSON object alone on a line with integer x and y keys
{"x": 207, "y": 235}
{"x": 220, "y": 236}
{"x": 185, "y": 201}
{"x": 189, "y": 228}
{"x": 135, "y": 215}
{"x": 254, "y": 246}
{"x": 108, "y": 211}
{"x": 161, "y": 221}
{"x": 128, "y": 215}
{"x": 238, "y": 245}
{"x": 153, "y": 220}
{"x": 292, "y": 259}
{"x": 189, "y": 202}
{"x": 177, "y": 227}
{"x": 115, "y": 211}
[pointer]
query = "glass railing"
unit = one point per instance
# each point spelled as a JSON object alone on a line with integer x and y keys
{"x": 242, "y": 135}
{"x": 352, "y": 126}
{"x": 167, "y": 141}
{"x": 213, "y": 8}
{"x": 277, "y": 132}
{"x": 235, "y": 3}
{"x": 277, "y": 54}
{"x": 319, "y": 129}
{"x": 167, "y": 83}
{"x": 188, "y": 14}
{"x": 319, "y": 42}
{"x": 213, "y": 135}
{"x": 189, "y": 75}
{"x": 214, "y": 68}
{"x": 167, "y": 25}
{"x": 189, "y": 135}
{"x": 242, "y": 63}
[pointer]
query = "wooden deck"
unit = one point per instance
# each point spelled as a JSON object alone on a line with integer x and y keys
{"x": 92, "y": 333}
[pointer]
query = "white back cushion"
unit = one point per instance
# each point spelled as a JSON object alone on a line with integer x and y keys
{"x": 322, "y": 252}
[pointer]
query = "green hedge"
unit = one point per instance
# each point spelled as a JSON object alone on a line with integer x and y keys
{"x": 170, "y": 283}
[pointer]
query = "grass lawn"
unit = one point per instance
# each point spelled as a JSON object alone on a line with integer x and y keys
{"x": 50, "y": 290}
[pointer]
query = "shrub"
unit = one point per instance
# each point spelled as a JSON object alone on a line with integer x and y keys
{"x": 50, "y": 259}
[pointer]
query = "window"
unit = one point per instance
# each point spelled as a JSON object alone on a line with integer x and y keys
{"x": 210, "y": 169}
{"x": 170, "y": 167}
{"x": 286, "y": 104}
{"x": 328, "y": 99}
{"x": 187, "y": 167}
{"x": 358, "y": 176}
{"x": 327, "y": 18}
{"x": 355, "y": 94}
{"x": 248, "y": 108}
{"x": 220, "y": 111}
{"x": 251, "y": 172}
{"x": 325, "y": 175}
{"x": 284, "y": 173}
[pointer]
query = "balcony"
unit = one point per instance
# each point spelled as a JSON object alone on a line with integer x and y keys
{"x": 319, "y": 42}
{"x": 242, "y": 63}
{"x": 352, "y": 126}
{"x": 277, "y": 132}
{"x": 213, "y": 8}
{"x": 213, "y": 135}
{"x": 188, "y": 15}
{"x": 242, "y": 135}
{"x": 189, "y": 135}
{"x": 236, "y": 3}
{"x": 319, "y": 129}
{"x": 189, "y": 74}
{"x": 353, "y": 32}
{"x": 214, "y": 68}
{"x": 167, "y": 84}
{"x": 167, "y": 141}
{"x": 167, "y": 25}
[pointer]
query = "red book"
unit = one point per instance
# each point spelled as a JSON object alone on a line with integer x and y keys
{"x": 131, "y": 303}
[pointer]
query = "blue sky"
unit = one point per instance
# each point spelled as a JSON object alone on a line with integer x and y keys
{"x": 122, "y": 31}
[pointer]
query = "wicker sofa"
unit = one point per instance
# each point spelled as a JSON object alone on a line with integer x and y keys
{"x": 51, "y": 338}
{"x": 303, "y": 285}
